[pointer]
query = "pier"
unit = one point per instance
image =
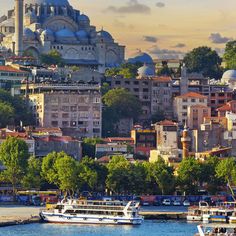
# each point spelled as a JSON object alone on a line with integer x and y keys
{"x": 10, "y": 221}
{"x": 163, "y": 215}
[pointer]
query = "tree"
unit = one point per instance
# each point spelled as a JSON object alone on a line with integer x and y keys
{"x": 7, "y": 114}
{"x": 18, "y": 107}
{"x": 230, "y": 55}
{"x": 67, "y": 174}
{"x": 14, "y": 156}
{"x": 226, "y": 169}
{"x": 158, "y": 116}
{"x": 118, "y": 178}
{"x": 52, "y": 58}
{"x": 204, "y": 60}
{"x": 89, "y": 146}
{"x": 33, "y": 179}
{"x": 165, "y": 70}
{"x": 119, "y": 103}
{"x": 49, "y": 172}
{"x": 163, "y": 176}
{"x": 189, "y": 175}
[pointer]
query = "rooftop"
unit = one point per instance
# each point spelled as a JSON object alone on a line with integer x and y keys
{"x": 167, "y": 123}
{"x": 162, "y": 79}
{"x": 192, "y": 95}
{"x": 11, "y": 69}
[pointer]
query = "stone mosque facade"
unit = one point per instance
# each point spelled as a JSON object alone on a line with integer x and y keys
{"x": 56, "y": 25}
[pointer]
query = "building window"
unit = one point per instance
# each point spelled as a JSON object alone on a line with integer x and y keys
{"x": 201, "y": 100}
{"x": 145, "y": 90}
{"x": 185, "y": 100}
{"x": 117, "y": 82}
{"x": 127, "y": 82}
{"x": 184, "y": 107}
{"x": 136, "y": 90}
{"x": 54, "y": 123}
{"x": 65, "y": 123}
{"x": 54, "y": 115}
{"x": 193, "y": 100}
{"x": 73, "y": 124}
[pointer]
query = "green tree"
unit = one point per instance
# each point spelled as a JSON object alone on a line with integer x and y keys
{"x": 230, "y": 55}
{"x": 89, "y": 146}
{"x": 33, "y": 178}
{"x": 52, "y": 58}
{"x": 165, "y": 70}
{"x": 19, "y": 106}
{"x": 163, "y": 176}
{"x": 67, "y": 174}
{"x": 118, "y": 178}
{"x": 226, "y": 169}
{"x": 49, "y": 172}
{"x": 158, "y": 116}
{"x": 14, "y": 156}
{"x": 204, "y": 60}
{"x": 119, "y": 103}
{"x": 189, "y": 173}
{"x": 7, "y": 114}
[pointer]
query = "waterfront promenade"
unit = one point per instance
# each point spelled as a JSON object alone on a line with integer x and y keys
{"x": 12, "y": 215}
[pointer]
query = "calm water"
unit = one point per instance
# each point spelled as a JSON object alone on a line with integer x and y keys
{"x": 149, "y": 228}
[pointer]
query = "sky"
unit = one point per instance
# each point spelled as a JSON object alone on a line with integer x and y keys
{"x": 162, "y": 28}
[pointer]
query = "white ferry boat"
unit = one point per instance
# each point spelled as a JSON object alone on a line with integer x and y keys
{"x": 93, "y": 212}
{"x": 216, "y": 230}
{"x": 195, "y": 212}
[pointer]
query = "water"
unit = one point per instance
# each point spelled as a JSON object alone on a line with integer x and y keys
{"x": 148, "y": 228}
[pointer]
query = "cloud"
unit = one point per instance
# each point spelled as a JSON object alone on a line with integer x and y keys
{"x": 165, "y": 53}
{"x": 160, "y": 4}
{"x": 132, "y": 7}
{"x": 179, "y": 45}
{"x": 120, "y": 24}
{"x": 218, "y": 39}
{"x": 151, "y": 39}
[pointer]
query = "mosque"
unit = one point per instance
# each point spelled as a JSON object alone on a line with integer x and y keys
{"x": 39, "y": 26}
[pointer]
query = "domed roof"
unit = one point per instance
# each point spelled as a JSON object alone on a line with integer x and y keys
{"x": 228, "y": 76}
{"x": 146, "y": 71}
{"x": 28, "y": 34}
{"x": 65, "y": 33}
{"x": 83, "y": 17}
{"x": 49, "y": 2}
{"x": 105, "y": 35}
{"x": 141, "y": 57}
{"x": 82, "y": 34}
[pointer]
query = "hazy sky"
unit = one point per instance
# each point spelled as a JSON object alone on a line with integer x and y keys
{"x": 163, "y": 28}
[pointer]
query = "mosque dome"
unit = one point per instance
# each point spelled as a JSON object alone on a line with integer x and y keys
{"x": 65, "y": 36}
{"x": 48, "y": 2}
{"x": 229, "y": 75}
{"x": 28, "y": 34}
{"x": 141, "y": 57}
{"x": 82, "y": 35}
{"x": 83, "y": 17}
{"x": 104, "y": 35}
{"x": 146, "y": 71}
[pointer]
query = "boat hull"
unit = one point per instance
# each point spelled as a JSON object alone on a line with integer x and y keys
{"x": 194, "y": 218}
{"x": 84, "y": 219}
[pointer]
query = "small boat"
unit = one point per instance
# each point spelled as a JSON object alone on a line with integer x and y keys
{"x": 215, "y": 214}
{"x": 216, "y": 230}
{"x": 195, "y": 212}
{"x": 93, "y": 212}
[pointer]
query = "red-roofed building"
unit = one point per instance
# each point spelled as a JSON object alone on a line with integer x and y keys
{"x": 228, "y": 107}
{"x": 10, "y": 76}
{"x": 181, "y": 104}
{"x": 4, "y": 133}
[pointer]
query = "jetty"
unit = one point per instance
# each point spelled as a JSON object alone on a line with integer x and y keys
{"x": 163, "y": 215}
{"x": 10, "y": 221}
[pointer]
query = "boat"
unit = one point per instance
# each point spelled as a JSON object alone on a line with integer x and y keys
{"x": 216, "y": 230}
{"x": 216, "y": 214}
{"x": 195, "y": 212}
{"x": 93, "y": 212}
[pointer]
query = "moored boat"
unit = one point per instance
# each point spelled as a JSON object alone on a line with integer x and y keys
{"x": 216, "y": 230}
{"x": 93, "y": 212}
{"x": 195, "y": 212}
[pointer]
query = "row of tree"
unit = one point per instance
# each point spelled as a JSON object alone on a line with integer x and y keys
{"x": 119, "y": 176}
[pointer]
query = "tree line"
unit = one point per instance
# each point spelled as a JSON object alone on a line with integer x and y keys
{"x": 119, "y": 176}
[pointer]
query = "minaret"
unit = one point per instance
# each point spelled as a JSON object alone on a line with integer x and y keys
{"x": 183, "y": 80}
{"x": 186, "y": 141}
{"x": 19, "y": 11}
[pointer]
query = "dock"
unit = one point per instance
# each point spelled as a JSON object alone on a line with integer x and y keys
{"x": 10, "y": 221}
{"x": 163, "y": 215}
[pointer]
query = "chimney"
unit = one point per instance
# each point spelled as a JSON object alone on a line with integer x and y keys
{"x": 19, "y": 12}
